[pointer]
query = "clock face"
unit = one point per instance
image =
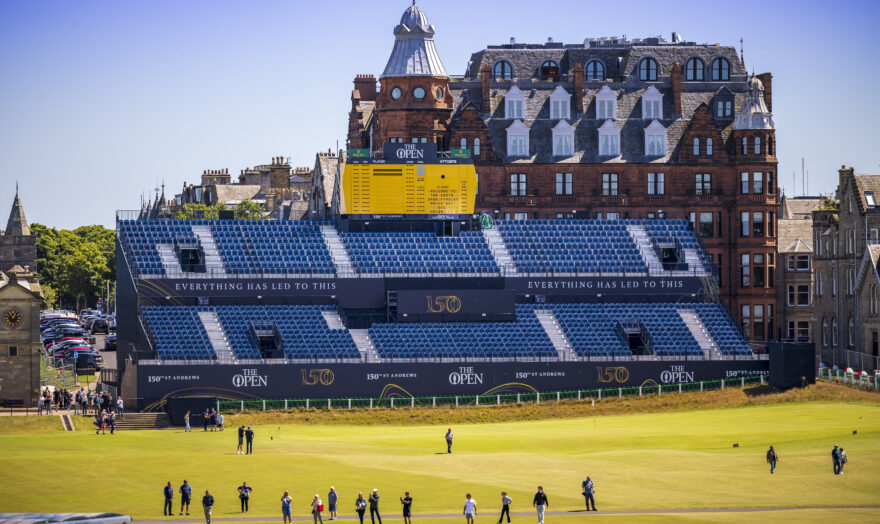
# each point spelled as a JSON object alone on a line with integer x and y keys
{"x": 395, "y": 93}
{"x": 12, "y": 318}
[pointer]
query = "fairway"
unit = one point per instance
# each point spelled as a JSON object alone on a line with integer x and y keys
{"x": 657, "y": 461}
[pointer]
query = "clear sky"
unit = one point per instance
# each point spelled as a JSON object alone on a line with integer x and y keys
{"x": 100, "y": 101}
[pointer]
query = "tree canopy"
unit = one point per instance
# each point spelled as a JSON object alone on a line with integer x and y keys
{"x": 244, "y": 210}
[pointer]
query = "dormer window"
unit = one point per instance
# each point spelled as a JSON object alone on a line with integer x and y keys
{"x": 720, "y": 70}
{"x": 560, "y": 103}
{"x": 655, "y": 139}
{"x": 648, "y": 70}
{"x": 502, "y": 70}
{"x": 518, "y": 139}
{"x": 724, "y": 109}
{"x": 869, "y": 198}
{"x": 549, "y": 69}
{"x": 595, "y": 71}
{"x": 609, "y": 139}
{"x": 652, "y": 104}
{"x": 606, "y": 104}
{"x": 514, "y": 104}
{"x": 694, "y": 70}
{"x": 563, "y": 139}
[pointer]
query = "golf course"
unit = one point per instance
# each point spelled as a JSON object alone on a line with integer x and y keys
{"x": 708, "y": 453}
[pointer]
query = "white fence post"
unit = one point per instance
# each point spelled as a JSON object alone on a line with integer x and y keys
{"x": 701, "y": 386}
{"x": 762, "y": 379}
{"x": 477, "y": 398}
{"x": 498, "y": 400}
{"x": 412, "y": 403}
{"x": 517, "y": 398}
{"x": 307, "y": 403}
{"x": 679, "y": 387}
{"x": 433, "y": 402}
{"x": 659, "y": 389}
{"x": 742, "y": 382}
{"x": 456, "y": 400}
{"x": 722, "y": 383}
{"x": 349, "y": 403}
{"x": 600, "y": 394}
{"x": 392, "y": 402}
{"x": 285, "y": 404}
{"x": 557, "y": 396}
{"x": 538, "y": 397}
{"x": 328, "y": 404}
{"x": 619, "y": 392}
{"x": 579, "y": 394}
{"x": 242, "y": 405}
{"x": 264, "y": 405}
{"x": 371, "y": 403}
{"x": 640, "y": 391}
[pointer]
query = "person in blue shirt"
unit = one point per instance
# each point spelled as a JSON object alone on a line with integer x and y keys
{"x": 169, "y": 497}
{"x": 588, "y": 493}
{"x": 835, "y": 459}
{"x": 185, "y": 496}
{"x": 286, "y": 502}
{"x": 244, "y": 493}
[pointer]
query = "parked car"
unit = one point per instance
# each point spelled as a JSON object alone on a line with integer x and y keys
{"x": 64, "y": 353}
{"x": 100, "y": 325}
{"x": 110, "y": 342}
{"x": 66, "y": 343}
{"x": 82, "y": 360}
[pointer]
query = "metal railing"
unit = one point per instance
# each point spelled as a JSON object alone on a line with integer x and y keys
{"x": 859, "y": 380}
{"x": 846, "y": 358}
{"x": 487, "y": 400}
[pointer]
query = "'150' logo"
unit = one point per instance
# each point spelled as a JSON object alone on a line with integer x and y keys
{"x": 617, "y": 374}
{"x": 314, "y": 377}
{"x": 444, "y": 304}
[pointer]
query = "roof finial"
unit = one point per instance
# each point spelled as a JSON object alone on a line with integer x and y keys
{"x": 742, "y": 57}
{"x": 414, "y": 2}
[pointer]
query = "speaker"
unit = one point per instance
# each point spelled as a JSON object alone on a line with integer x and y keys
{"x": 791, "y": 362}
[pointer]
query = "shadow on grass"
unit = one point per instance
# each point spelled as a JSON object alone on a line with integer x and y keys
{"x": 760, "y": 391}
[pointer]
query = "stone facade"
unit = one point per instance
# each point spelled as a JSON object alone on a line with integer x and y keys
{"x": 18, "y": 247}
{"x": 795, "y": 284}
{"x": 846, "y": 251}
{"x": 701, "y": 182}
{"x": 19, "y": 339}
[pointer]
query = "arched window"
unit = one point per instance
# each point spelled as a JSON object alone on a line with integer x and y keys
{"x": 825, "y": 332}
{"x": 696, "y": 147}
{"x": 648, "y": 70}
{"x": 834, "y": 334}
{"x": 502, "y": 70}
{"x": 720, "y": 70}
{"x": 745, "y": 146}
{"x": 852, "y": 332}
{"x": 757, "y": 145}
{"x": 874, "y": 306}
{"x": 694, "y": 70}
{"x": 464, "y": 143}
{"x": 709, "y": 147}
{"x": 549, "y": 69}
{"x": 476, "y": 147}
{"x": 595, "y": 71}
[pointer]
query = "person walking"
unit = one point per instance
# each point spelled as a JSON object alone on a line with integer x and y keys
{"x": 505, "y": 507}
{"x": 449, "y": 436}
{"x": 843, "y": 460}
{"x": 244, "y": 494}
{"x": 249, "y": 439}
{"x": 470, "y": 509}
{"x": 111, "y": 419}
{"x": 317, "y": 508}
{"x": 540, "y": 503}
{"x": 332, "y": 497}
{"x": 360, "y": 506}
{"x": 208, "y": 504}
{"x": 185, "y": 496}
{"x": 589, "y": 487}
{"x": 186, "y": 421}
{"x": 374, "y": 506}
{"x": 835, "y": 459}
{"x": 772, "y": 457}
{"x": 168, "y": 491}
{"x": 286, "y": 503}
{"x": 240, "y": 440}
{"x": 406, "y": 500}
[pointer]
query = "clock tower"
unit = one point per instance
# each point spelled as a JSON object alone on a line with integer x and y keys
{"x": 20, "y": 299}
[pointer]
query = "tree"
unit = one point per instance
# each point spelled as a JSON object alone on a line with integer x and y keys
{"x": 188, "y": 211}
{"x": 248, "y": 210}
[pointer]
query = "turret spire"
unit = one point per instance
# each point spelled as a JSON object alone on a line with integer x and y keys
{"x": 17, "y": 224}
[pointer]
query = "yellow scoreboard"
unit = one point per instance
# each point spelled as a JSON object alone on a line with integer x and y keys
{"x": 410, "y": 180}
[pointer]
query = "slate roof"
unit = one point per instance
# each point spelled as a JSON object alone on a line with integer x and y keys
{"x": 326, "y": 172}
{"x": 797, "y": 207}
{"x": 795, "y": 235}
{"x": 414, "y": 53}
{"x": 236, "y": 192}
{"x": 17, "y": 224}
{"x": 867, "y": 183}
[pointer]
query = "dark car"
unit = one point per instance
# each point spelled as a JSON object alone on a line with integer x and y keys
{"x": 62, "y": 354}
{"x": 65, "y": 344}
{"x": 110, "y": 342}
{"x": 100, "y": 325}
{"x": 83, "y": 360}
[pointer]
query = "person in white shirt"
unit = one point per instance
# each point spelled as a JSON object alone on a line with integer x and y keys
{"x": 449, "y": 436}
{"x": 505, "y": 507}
{"x": 470, "y": 509}
{"x": 120, "y": 408}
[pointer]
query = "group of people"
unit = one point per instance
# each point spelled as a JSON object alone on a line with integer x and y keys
{"x": 210, "y": 419}
{"x": 838, "y": 459}
{"x": 245, "y": 436}
{"x": 317, "y": 508}
{"x": 82, "y": 402}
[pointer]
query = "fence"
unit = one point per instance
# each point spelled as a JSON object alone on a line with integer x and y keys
{"x": 484, "y": 400}
{"x": 845, "y": 358}
{"x": 62, "y": 377}
{"x": 859, "y": 380}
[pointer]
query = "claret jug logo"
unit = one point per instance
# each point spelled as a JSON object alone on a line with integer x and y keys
{"x": 465, "y": 376}
{"x": 249, "y": 378}
{"x": 444, "y": 304}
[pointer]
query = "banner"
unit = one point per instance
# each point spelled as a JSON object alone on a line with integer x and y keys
{"x": 448, "y": 304}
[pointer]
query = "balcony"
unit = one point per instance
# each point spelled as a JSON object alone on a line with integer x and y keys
{"x": 704, "y": 199}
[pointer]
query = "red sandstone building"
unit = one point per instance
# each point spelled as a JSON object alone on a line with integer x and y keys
{"x": 609, "y": 128}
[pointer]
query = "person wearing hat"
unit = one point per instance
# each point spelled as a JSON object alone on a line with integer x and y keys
{"x": 317, "y": 508}
{"x": 331, "y": 502}
{"x": 374, "y": 506}
{"x": 185, "y": 496}
{"x": 835, "y": 459}
{"x": 208, "y": 504}
{"x": 360, "y": 506}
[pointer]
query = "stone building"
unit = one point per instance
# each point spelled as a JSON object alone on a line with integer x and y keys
{"x": 18, "y": 247}
{"x": 20, "y": 299}
{"x": 611, "y": 128}
{"x": 324, "y": 196}
{"x": 795, "y": 277}
{"x": 846, "y": 252}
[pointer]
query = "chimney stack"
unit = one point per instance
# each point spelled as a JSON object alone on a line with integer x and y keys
{"x": 578, "y": 80}
{"x": 366, "y": 86}
{"x": 676, "y": 87}
{"x": 767, "y": 80}
{"x": 485, "y": 79}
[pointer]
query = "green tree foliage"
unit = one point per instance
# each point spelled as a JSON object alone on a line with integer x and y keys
{"x": 244, "y": 210}
{"x": 248, "y": 210}
{"x": 188, "y": 211}
{"x": 74, "y": 266}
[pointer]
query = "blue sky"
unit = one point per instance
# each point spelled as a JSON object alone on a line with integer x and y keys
{"x": 99, "y": 101}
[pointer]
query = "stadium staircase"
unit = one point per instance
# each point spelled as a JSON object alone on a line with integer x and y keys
{"x": 701, "y": 334}
{"x": 169, "y": 259}
{"x": 338, "y": 253}
{"x": 695, "y": 263}
{"x": 365, "y": 345}
{"x": 646, "y": 248}
{"x": 217, "y": 336}
{"x": 499, "y": 252}
{"x": 560, "y": 342}
{"x": 132, "y": 421}
{"x": 213, "y": 260}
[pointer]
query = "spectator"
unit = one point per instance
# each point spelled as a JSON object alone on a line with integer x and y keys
{"x": 772, "y": 457}
{"x": 40, "y": 405}
{"x": 120, "y": 407}
{"x": 186, "y": 421}
{"x": 249, "y": 439}
{"x": 77, "y": 401}
{"x": 835, "y": 459}
{"x": 589, "y": 487}
{"x": 470, "y": 509}
{"x": 213, "y": 419}
{"x": 244, "y": 493}
{"x": 540, "y": 503}
{"x": 85, "y": 405}
{"x": 360, "y": 506}
{"x": 99, "y": 423}
{"x": 168, "y": 510}
{"x": 208, "y": 504}
{"x": 332, "y": 497}
{"x": 111, "y": 419}
{"x": 505, "y": 507}
{"x": 185, "y": 496}
{"x": 406, "y": 500}
{"x": 449, "y": 436}
{"x": 843, "y": 460}
{"x": 206, "y": 418}
{"x": 240, "y": 439}
{"x": 286, "y": 511}
{"x": 374, "y": 507}
{"x": 220, "y": 421}
{"x": 317, "y": 508}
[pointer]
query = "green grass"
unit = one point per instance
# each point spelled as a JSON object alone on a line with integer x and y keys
{"x": 675, "y": 460}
